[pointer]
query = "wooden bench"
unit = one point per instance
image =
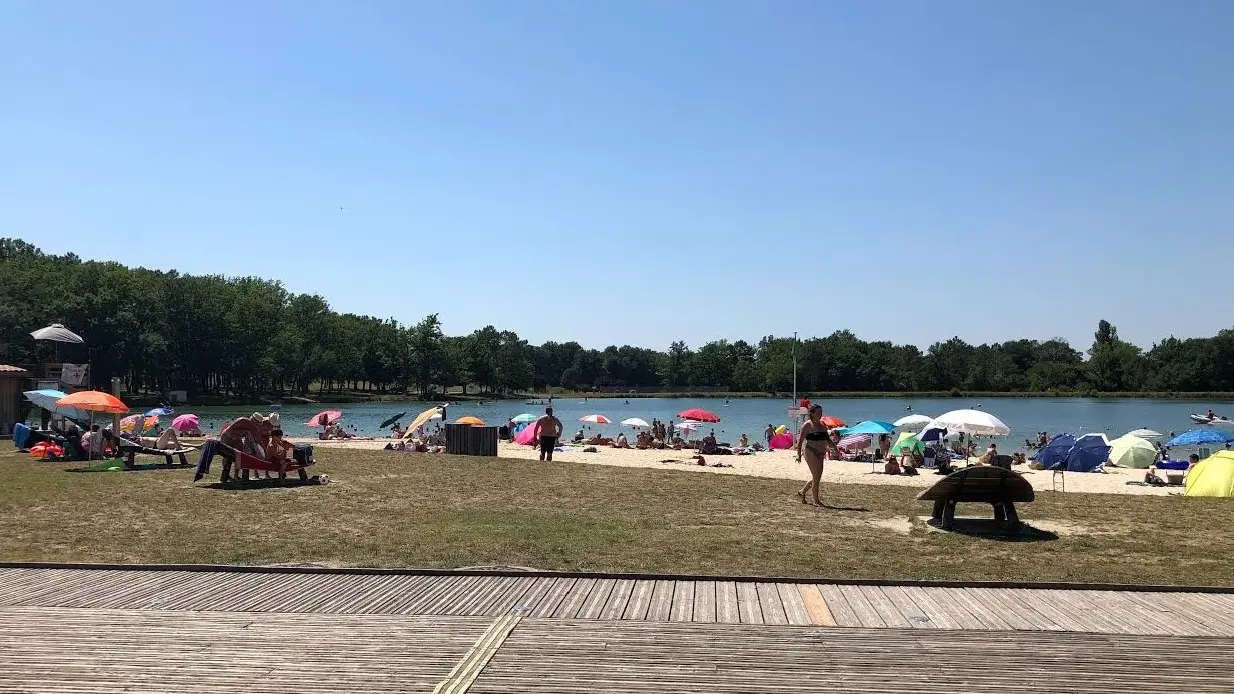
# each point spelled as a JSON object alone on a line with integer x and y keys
{"x": 997, "y": 486}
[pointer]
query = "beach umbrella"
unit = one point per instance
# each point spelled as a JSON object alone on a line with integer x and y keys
{"x": 1200, "y": 437}
{"x": 913, "y": 420}
{"x": 186, "y": 422}
{"x": 856, "y": 442}
{"x": 971, "y": 422}
{"x": 870, "y": 426}
{"x": 831, "y": 422}
{"x": 391, "y": 420}
{"x": 422, "y": 419}
{"x": 130, "y": 422}
{"x": 1144, "y": 434}
{"x": 57, "y": 333}
{"x": 160, "y": 412}
{"x": 47, "y": 398}
{"x": 1133, "y": 452}
{"x": 1089, "y": 453}
{"x": 636, "y": 422}
{"x": 93, "y": 401}
{"x": 932, "y": 433}
{"x": 1055, "y": 451}
{"x": 595, "y": 419}
{"x": 525, "y": 418}
{"x": 320, "y": 419}
{"x": 473, "y": 421}
{"x": 907, "y": 442}
{"x": 1213, "y": 476}
{"x": 698, "y": 414}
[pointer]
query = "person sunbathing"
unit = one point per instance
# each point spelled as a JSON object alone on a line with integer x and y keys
{"x": 622, "y": 441}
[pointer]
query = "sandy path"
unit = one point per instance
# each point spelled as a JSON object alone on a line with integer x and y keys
{"x": 784, "y": 465}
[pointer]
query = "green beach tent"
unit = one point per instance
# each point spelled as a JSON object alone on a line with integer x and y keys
{"x": 909, "y": 442}
{"x": 1213, "y": 476}
{"x": 1133, "y": 452}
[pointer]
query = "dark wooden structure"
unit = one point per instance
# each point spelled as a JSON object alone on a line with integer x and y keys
{"x": 130, "y": 450}
{"x": 465, "y": 439}
{"x": 997, "y": 486}
{"x": 13, "y": 381}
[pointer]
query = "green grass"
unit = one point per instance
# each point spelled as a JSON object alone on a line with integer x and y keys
{"x": 443, "y": 511}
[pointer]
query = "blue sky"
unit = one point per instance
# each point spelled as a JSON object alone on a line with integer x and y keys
{"x": 626, "y": 171}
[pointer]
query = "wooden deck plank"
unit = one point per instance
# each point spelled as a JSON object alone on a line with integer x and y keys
{"x": 1218, "y": 610}
{"x": 618, "y": 599}
{"x": 728, "y": 610}
{"x": 507, "y": 592}
{"x": 885, "y": 608}
{"x": 838, "y": 606}
{"x": 867, "y": 616}
{"x": 643, "y": 657}
{"x": 1180, "y": 614}
{"x": 909, "y": 610}
{"x": 593, "y": 607}
{"x": 1060, "y": 618}
{"x": 988, "y": 617}
{"x": 80, "y": 650}
{"x": 794, "y": 605}
{"x": 816, "y": 606}
{"x": 574, "y": 598}
{"x": 661, "y": 601}
{"x": 937, "y": 616}
{"x": 1013, "y": 611}
{"x": 523, "y": 599}
{"x": 704, "y": 601}
{"x": 640, "y": 600}
{"x": 749, "y": 607}
{"x": 1141, "y": 618}
{"x": 771, "y": 603}
{"x": 1082, "y": 606}
{"x": 683, "y": 602}
{"x": 955, "y": 610}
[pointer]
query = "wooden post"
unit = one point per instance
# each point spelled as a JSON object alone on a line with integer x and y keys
{"x": 115, "y": 418}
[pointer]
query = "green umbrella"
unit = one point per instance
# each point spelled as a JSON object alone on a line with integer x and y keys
{"x": 907, "y": 442}
{"x": 525, "y": 418}
{"x": 391, "y": 420}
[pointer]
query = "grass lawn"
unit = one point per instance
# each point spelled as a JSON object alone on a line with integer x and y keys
{"x": 444, "y": 511}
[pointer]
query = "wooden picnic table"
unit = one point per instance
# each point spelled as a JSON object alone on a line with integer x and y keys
{"x": 997, "y": 486}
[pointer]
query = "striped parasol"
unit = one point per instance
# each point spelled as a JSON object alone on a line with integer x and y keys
{"x": 856, "y": 442}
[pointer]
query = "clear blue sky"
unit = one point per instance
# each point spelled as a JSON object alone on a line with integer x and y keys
{"x": 649, "y": 170}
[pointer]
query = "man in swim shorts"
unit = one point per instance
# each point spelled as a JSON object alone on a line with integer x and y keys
{"x": 548, "y": 429}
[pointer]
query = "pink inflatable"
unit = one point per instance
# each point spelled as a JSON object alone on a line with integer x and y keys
{"x": 781, "y": 442}
{"x": 524, "y": 437}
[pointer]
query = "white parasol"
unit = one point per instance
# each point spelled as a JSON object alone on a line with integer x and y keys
{"x": 57, "y": 333}
{"x": 971, "y": 422}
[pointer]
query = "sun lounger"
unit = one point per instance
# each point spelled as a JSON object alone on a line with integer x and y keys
{"x": 129, "y": 450}
{"x": 996, "y": 486}
{"x": 299, "y": 464}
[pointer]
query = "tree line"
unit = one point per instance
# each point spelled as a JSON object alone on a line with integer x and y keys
{"x": 214, "y": 335}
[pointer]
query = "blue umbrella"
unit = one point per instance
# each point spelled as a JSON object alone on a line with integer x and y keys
{"x": 46, "y": 398}
{"x": 1200, "y": 437}
{"x": 160, "y": 412}
{"x": 1090, "y": 452}
{"x": 1055, "y": 451}
{"x": 932, "y": 434}
{"x": 870, "y": 426}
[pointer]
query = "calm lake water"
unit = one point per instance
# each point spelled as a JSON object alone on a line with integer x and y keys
{"x": 1025, "y": 416}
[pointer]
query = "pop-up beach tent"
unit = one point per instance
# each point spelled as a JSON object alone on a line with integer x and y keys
{"x": 1213, "y": 476}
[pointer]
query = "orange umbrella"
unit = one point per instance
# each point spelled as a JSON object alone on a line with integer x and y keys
{"x": 474, "y": 421}
{"x": 831, "y": 422}
{"x": 93, "y": 401}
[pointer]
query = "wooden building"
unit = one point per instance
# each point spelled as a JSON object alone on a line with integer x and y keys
{"x": 13, "y": 381}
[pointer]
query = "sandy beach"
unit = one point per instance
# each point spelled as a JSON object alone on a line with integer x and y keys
{"x": 784, "y": 465}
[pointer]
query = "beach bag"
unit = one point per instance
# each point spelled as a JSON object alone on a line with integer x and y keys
{"x": 302, "y": 453}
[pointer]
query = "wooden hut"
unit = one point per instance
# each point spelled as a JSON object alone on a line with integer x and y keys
{"x": 13, "y": 381}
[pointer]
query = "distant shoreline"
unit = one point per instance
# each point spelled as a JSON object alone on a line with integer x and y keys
{"x": 357, "y": 398}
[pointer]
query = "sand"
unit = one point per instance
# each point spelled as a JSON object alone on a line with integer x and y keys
{"x": 784, "y": 465}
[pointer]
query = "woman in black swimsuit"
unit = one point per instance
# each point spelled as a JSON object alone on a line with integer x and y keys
{"x": 816, "y": 441}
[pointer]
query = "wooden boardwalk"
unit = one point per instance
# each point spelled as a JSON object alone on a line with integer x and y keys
{"x": 53, "y": 650}
{"x": 628, "y": 600}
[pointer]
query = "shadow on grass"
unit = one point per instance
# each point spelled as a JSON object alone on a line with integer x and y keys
{"x": 118, "y": 466}
{"x": 268, "y": 483}
{"x": 990, "y": 529}
{"x": 837, "y": 507}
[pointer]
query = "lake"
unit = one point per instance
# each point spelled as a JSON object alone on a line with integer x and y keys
{"x": 1025, "y": 416}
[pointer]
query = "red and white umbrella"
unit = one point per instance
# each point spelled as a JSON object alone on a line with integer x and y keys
{"x": 595, "y": 419}
{"x": 698, "y": 414}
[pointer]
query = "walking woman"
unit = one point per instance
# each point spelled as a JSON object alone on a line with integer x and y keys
{"x": 816, "y": 441}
